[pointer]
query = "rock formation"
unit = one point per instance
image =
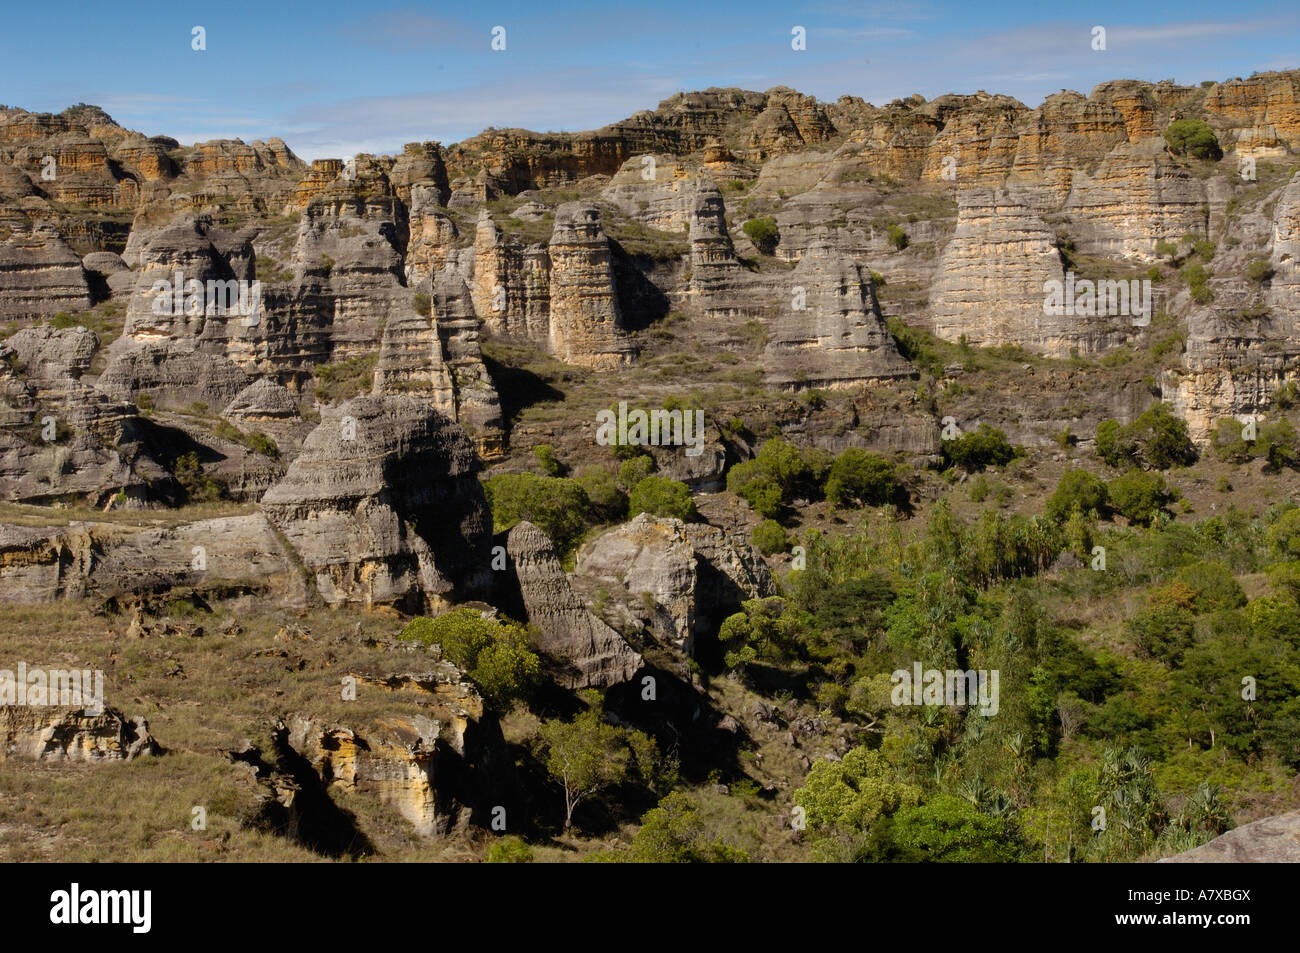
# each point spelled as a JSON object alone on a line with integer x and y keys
{"x": 383, "y": 507}
{"x": 586, "y": 651}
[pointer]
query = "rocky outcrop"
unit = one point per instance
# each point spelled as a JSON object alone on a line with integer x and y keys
{"x": 439, "y": 358}
{"x": 1137, "y": 196}
{"x": 992, "y": 282}
{"x": 512, "y": 284}
{"x": 831, "y": 335}
{"x": 586, "y": 652}
{"x": 116, "y": 560}
{"x": 61, "y": 733}
{"x": 383, "y": 507}
{"x": 53, "y": 353}
{"x": 1272, "y": 840}
{"x": 586, "y": 325}
{"x": 40, "y": 276}
{"x": 680, "y": 580}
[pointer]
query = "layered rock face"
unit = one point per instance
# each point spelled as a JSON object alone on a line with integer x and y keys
{"x": 512, "y": 284}
{"x": 586, "y": 326}
{"x": 112, "y": 560}
{"x": 440, "y": 358}
{"x": 679, "y": 580}
{"x": 833, "y": 335}
{"x": 60, "y": 733}
{"x": 1235, "y": 364}
{"x": 383, "y": 506}
{"x": 992, "y": 281}
{"x": 414, "y": 759}
{"x": 40, "y": 276}
{"x": 587, "y": 652}
{"x": 1137, "y": 197}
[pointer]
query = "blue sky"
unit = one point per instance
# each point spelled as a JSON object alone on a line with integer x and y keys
{"x": 337, "y": 78}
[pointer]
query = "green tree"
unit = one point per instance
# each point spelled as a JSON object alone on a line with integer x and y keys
{"x": 674, "y": 833}
{"x": 1138, "y": 495}
{"x": 635, "y": 469}
{"x": 547, "y": 461}
{"x": 763, "y": 232}
{"x": 843, "y": 799}
{"x": 770, "y": 537}
{"x": 558, "y": 506}
{"x": 607, "y": 500}
{"x": 946, "y": 829}
{"x": 588, "y": 755}
{"x": 859, "y": 478}
{"x": 1192, "y": 137}
{"x": 1076, "y": 488}
{"x": 897, "y": 237}
{"x": 510, "y": 849}
{"x": 494, "y": 654}
{"x": 660, "y": 496}
{"x": 987, "y": 446}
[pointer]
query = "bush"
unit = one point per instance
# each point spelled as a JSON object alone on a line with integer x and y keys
{"x": 1284, "y": 535}
{"x": 636, "y": 469}
{"x": 1215, "y": 587}
{"x": 198, "y": 486}
{"x": 770, "y": 537}
{"x": 1198, "y": 283}
{"x": 1260, "y": 270}
{"x": 1192, "y": 137}
{"x": 985, "y": 447}
{"x": 607, "y": 501}
{"x": 763, "y": 232}
{"x": 559, "y": 507}
{"x": 660, "y": 496}
{"x": 780, "y": 473}
{"x": 494, "y": 654}
{"x": 897, "y": 237}
{"x": 547, "y": 462}
{"x": 860, "y": 478}
{"x": 510, "y": 849}
{"x": 1077, "y": 487}
{"x": 1138, "y": 495}
{"x": 1157, "y": 438}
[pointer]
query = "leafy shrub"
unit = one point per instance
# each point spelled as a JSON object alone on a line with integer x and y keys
{"x": 778, "y": 474}
{"x": 770, "y": 537}
{"x": 558, "y": 506}
{"x": 493, "y": 653}
{"x": 1198, "y": 283}
{"x": 1260, "y": 270}
{"x": 510, "y": 849}
{"x": 1138, "y": 495}
{"x": 763, "y": 232}
{"x": 636, "y": 469}
{"x": 897, "y": 237}
{"x": 198, "y": 486}
{"x": 1077, "y": 487}
{"x": 660, "y": 496}
{"x": 423, "y": 305}
{"x": 607, "y": 501}
{"x": 1193, "y": 137}
{"x": 984, "y": 447}
{"x": 860, "y": 478}
{"x": 1214, "y": 585}
{"x": 1157, "y": 439}
{"x": 547, "y": 462}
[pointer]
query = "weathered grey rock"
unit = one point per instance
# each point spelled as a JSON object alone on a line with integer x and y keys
{"x": 53, "y": 353}
{"x": 693, "y": 575}
{"x": 383, "y": 506}
{"x": 588, "y": 652}
{"x": 40, "y": 276}
{"x": 838, "y": 339}
{"x": 1272, "y": 840}
{"x": 586, "y": 326}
